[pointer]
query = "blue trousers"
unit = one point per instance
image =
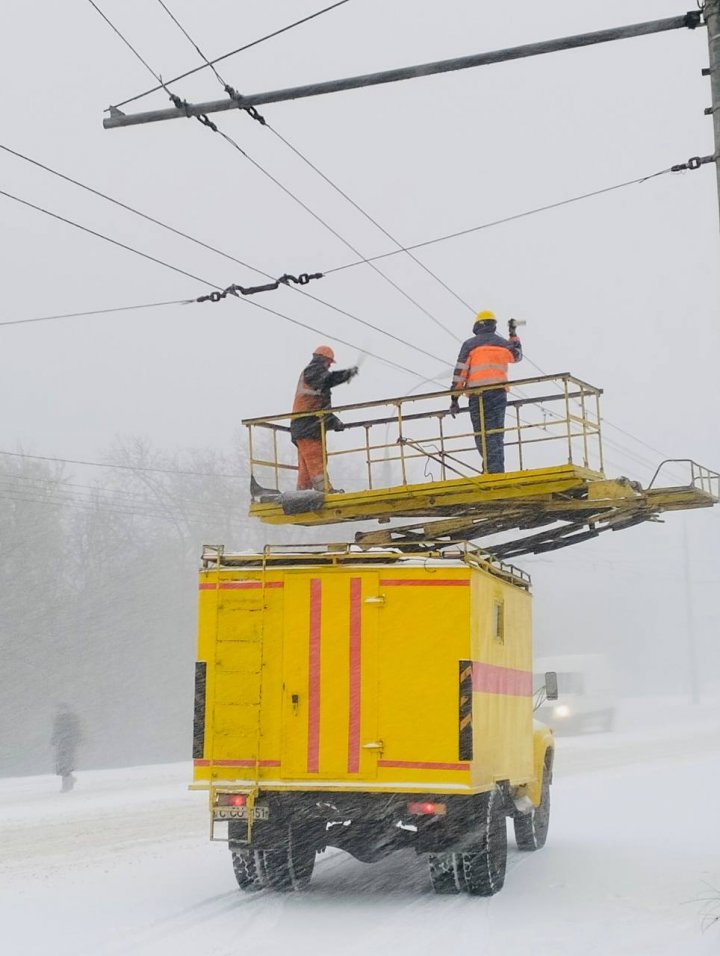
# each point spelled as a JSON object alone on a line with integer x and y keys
{"x": 494, "y": 403}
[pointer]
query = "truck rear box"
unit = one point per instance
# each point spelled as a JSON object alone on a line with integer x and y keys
{"x": 369, "y": 701}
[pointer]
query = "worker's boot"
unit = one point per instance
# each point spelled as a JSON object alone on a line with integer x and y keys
{"x": 318, "y": 484}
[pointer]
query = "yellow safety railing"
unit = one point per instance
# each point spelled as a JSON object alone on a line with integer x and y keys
{"x": 413, "y": 439}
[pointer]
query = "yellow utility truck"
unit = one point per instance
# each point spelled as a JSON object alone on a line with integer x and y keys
{"x": 371, "y": 701}
{"x": 378, "y": 695}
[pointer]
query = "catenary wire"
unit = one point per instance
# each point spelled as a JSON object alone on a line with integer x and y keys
{"x": 352, "y": 202}
{"x": 257, "y": 305}
{"x": 247, "y": 46}
{"x": 232, "y": 142}
{"x": 271, "y": 311}
{"x": 322, "y": 175}
{"x": 101, "y": 464}
{"x": 127, "y": 43}
{"x": 371, "y": 259}
{"x": 229, "y": 139}
{"x": 264, "y": 308}
{"x": 99, "y": 235}
{"x": 499, "y": 222}
{"x": 199, "y": 242}
{"x": 75, "y": 315}
{"x": 408, "y": 249}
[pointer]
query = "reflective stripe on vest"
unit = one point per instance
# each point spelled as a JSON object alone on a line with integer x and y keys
{"x": 487, "y": 373}
{"x": 307, "y": 399}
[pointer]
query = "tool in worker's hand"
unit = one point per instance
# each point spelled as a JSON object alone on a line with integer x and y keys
{"x": 513, "y": 325}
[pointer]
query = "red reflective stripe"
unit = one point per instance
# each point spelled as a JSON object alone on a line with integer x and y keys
{"x": 235, "y": 763}
{"x": 313, "y": 754}
{"x": 425, "y": 583}
{"x": 355, "y": 675}
{"x": 240, "y": 585}
{"x": 492, "y": 679}
{"x": 422, "y": 765}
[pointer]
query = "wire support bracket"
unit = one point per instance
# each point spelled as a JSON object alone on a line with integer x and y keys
{"x": 235, "y": 289}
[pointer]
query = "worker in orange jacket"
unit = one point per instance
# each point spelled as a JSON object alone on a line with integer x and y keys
{"x": 306, "y": 431}
{"x": 483, "y": 360}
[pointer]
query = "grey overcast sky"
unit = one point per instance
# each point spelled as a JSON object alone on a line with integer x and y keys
{"x": 621, "y": 290}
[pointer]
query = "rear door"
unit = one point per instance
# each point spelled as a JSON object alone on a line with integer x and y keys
{"x": 330, "y": 675}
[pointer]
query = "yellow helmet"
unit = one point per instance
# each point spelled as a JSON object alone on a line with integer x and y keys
{"x": 486, "y": 316}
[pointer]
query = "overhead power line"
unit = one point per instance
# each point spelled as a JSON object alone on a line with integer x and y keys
{"x": 232, "y": 142}
{"x": 689, "y": 20}
{"x": 193, "y": 239}
{"x": 104, "y": 464}
{"x": 127, "y": 43}
{"x": 231, "y": 92}
{"x": 520, "y": 215}
{"x": 219, "y": 59}
{"x": 257, "y": 305}
{"x": 76, "y": 315}
{"x": 100, "y": 235}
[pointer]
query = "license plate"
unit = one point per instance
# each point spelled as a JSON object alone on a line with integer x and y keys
{"x": 241, "y": 813}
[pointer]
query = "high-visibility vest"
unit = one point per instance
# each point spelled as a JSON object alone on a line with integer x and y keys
{"x": 307, "y": 399}
{"x": 484, "y": 362}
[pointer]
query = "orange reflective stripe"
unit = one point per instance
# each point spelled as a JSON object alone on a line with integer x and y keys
{"x": 306, "y": 399}
{"x": 487, "y": 373}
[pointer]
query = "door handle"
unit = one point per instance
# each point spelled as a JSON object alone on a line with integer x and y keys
{"x": 374, "y": 745}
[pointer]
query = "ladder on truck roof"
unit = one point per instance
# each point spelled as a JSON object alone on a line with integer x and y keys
{"x": 407, "y": 457}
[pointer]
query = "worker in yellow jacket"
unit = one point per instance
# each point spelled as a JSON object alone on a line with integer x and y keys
{"x": 483, "y": 360}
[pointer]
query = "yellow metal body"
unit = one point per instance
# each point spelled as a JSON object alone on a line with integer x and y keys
{"x": 370, "y": 672}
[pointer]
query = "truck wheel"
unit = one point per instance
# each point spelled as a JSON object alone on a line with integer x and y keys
{"x": 531, "y": 829}
{"x": 289, "y": 867}
{"x": 484, "y": 867}
{"x": 446, "y": 874}
{"x": 245, "y": 869}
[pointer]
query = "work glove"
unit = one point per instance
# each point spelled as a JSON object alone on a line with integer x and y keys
{"x": 353, "y": 372}
{"x": 454, "y": 406}
{"x": 338, "y": 426}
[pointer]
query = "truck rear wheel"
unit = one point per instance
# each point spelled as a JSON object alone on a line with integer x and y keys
{"x": 531, "y": 829}
{"x": 446, "y": 874}
{"x": 289, "y": 867}
{"x": 483, "y": 867}
{"x": 245, "y": 869}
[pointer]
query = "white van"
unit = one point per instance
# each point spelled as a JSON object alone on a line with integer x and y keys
{"x": 586, "y": 693}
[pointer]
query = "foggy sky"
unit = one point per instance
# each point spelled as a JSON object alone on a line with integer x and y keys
{"x": 621, "y": 290}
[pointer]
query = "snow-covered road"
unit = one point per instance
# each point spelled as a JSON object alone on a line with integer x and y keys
{"x": 123, "y": 865}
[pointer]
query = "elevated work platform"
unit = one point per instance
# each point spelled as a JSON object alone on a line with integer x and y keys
{"x": 407, "y": 457}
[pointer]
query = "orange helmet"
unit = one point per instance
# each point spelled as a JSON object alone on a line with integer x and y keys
{"x": 326, "y": 352}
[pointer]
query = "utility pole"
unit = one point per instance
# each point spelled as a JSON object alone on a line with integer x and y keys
{"x": 712, "y": 19}
{"x": 690, "y": 621}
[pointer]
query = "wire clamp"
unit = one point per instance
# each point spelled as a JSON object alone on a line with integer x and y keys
{"x": 180, "y": 104}
{"x": 235, "y": 289}
{"x": 206, "y": 121}
{"x": 695, "y": 162}
{"x": 250, "y": 110}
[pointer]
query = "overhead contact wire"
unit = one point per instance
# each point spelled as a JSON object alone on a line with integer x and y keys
{"x": 214, "y": 285}
{"x": 498, "y": 222}
{"x": 214, "y": 127}
{"x": 247, "y": 46}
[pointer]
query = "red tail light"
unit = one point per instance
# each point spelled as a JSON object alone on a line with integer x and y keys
{"x": 231, "y": 800}
{"x": 425, "y": 809}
